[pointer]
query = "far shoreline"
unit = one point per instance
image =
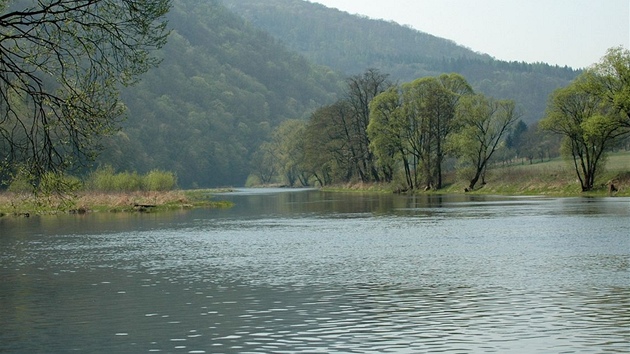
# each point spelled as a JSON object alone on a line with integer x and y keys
{"x": 537, "y": 180}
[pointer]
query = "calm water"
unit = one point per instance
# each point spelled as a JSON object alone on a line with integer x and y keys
{"x": 306, "y": 271}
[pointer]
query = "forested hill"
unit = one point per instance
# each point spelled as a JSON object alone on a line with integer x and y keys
{"x": 350, "y": 44}
{"x": 230, "y": 76}
{"x": 221, "y": 88}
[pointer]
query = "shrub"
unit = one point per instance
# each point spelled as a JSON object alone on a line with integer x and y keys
{"x": 157, "y": 180}
{"x": 21, "y": 184}
{"x": 105, "y": 180}
{"x": 127, "y": 182}
{"x": 101, "y": 180}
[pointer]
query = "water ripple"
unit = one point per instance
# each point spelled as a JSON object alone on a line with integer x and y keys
{"x": 492, "y": 277}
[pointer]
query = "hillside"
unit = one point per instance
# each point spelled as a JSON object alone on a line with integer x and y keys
{"x": 221, "y": 88}
{"x": 350, "y": 44}
{"x": 230, "y": 76}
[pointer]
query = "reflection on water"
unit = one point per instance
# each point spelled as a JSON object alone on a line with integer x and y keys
{"x": 306, "y": 271}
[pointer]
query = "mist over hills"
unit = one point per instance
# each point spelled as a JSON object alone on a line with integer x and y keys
{"x": 234, "y": 69}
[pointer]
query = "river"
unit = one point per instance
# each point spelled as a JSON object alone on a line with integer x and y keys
{"x": 305, "y": 271}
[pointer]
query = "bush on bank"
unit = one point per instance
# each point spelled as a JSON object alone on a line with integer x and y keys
{"x": 106, "y": 180}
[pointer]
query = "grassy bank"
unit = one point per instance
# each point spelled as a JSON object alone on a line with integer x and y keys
{"x": 27, "y": 204}
{"x": 552, "y": 178}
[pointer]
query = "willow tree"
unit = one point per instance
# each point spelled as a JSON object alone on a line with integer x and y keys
{"x": 387, "y": 131}
{"x": 592, "y": 114}
{"x": 484, "y": 123}
{"x": 411, "y": 124}
{"x": 610, "y": 80}
{"x": 62, "y": 64}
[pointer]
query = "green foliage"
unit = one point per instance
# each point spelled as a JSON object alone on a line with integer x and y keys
{"x": 224, "y": 85}
{"x": 52, "y": 183}
{"x": 25, "y": 181}
{"x": 157, "y": 180}
{"x": 101, "y": 179}
{"x": 105, "y": 179}
{"x": 610, "y": 79}
{"x": 386, "y": 131}
{"x": 410, "y": 127}
{"x": 21, "y": 183}
{"x": 405, "y": 134}
{"x": 127, "y": 182}
{"x": 334, "y": 142}
{"x": 483, "y": 125}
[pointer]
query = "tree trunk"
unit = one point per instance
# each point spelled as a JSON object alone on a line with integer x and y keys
{"x": 473, "y": 182}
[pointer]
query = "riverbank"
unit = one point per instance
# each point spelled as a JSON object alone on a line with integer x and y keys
{"x": 550, "y": 178}
{"x": 26, "y": 204}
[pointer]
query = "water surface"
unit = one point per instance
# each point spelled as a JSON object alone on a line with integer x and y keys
{"x": 308, "y": 271}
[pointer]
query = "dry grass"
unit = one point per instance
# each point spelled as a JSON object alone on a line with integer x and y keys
{"x": 122, "y": 201}
{"x": 24, "y": 204}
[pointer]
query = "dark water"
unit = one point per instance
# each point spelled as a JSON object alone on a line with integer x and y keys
{"x": 306, "y": 271}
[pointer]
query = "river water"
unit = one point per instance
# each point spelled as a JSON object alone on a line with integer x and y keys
{"x": 288, "y": 271}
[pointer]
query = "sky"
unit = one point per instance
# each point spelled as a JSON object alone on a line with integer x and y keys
{"x": 574, "y": 33}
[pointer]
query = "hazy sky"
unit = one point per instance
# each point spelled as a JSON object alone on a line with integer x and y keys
{"x": 576, "y": 33}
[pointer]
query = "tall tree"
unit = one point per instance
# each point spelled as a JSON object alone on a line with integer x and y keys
{"x": 288, "y": 140}
{"x": 413, "y": 122}
{"x": 387, "y": 131}
{"x": 420, "y": 109}
{"x": 330, "y": 153}
{"x": 454, "y": 87}
{"x": 430, "y": 103}
{"x": 62, "y": 63}
{"x": 361, "y": 90}
{"x": 590, "y": 125}
{"x": 593, "y": 114}
{"x": 484, "y": 123}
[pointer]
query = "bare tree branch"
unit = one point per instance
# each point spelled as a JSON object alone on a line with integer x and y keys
{"x": 62, "y": 63}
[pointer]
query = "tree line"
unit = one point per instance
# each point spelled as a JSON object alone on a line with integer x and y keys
{"x": 410, "y": 133}
{"x": 385, "y": 132}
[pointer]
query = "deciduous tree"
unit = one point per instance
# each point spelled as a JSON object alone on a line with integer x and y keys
{"x": 411, "y": 123}
{"x": 387, "y": 131}
{"x": 593, "y": 114}
{"x": 361, "y": 90}
{"x": 590, "y": 126}
{"x": 484, "y": 123}
{"x": 62, "y": 63}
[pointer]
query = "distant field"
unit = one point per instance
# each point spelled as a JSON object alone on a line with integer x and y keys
{"x": 617, "y": 162}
